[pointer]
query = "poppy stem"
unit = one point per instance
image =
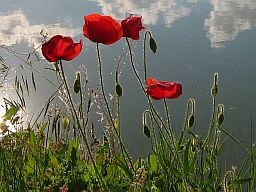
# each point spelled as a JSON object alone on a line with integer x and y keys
{"x": 133, "y": 66}
{"x": 123, "y": 150}
{"x": 212, "y": 123}
{"x": 144, "y": 56}
{"x": 142, "y": 87}
{"x": 171, "y": 132}
{"x": 105, "y": 99}
{"x": 79, "y": 125}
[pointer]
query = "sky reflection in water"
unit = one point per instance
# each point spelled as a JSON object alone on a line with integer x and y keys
{"x": 225, "y": 21}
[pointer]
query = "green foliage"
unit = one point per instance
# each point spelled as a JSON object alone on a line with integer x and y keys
{"x": 10, "y": 113}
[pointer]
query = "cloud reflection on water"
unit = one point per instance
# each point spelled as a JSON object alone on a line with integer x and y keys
{"x": 228, "y": 18}
{"x": 150, "y": 10}
{"x": 15, "y": 28}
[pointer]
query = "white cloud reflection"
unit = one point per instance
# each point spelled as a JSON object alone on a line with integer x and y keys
{"x": 150, "y": 10}
{"x": 15, "y": 28}
{"x": 228, "y": 18}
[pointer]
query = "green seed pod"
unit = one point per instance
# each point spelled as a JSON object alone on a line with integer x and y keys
{"x": 214, "y": 90}
{"x": 220, "y": 119}
{"x": 65, "y": 122}
{"x": 216, "y": 78}
{"x": 77, "y": 86}
{"x": 119, "y": 90}
{"x": 152, "y": 45}
{"x": 182, "y": 147}
{"x": 146, "y": 131}
{"x": 220, "y": 116}
{"x": 191, "y": 121}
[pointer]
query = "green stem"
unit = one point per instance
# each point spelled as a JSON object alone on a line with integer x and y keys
{"x": 133, "y": 66}
{"x": 123, "y": 150}
{"x": 144, "y": 57}
{"x": 212, "y": 123}
{"x": 238, "y": 142}
{"x": 79, "y": 126}
{"x": 142, "y": 87}
{"x": 171, "y": 132}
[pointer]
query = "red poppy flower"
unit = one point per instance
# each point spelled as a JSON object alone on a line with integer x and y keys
{"x": 132, "y": 25}
{"x": 163, "y": 89}
{"x": 102, "y": 29}
{"x": 59, "y": 47}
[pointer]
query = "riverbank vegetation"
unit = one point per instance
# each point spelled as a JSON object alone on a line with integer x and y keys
{"x": 59, "y": 151}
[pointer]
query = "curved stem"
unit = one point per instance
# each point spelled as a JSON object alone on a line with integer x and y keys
{"x": 108, "y": 109}
{"x": 79, "y": 125}
{"x": 133, "y": 66}
{"x": 171, "y": 132}
{"x": 142, "y": 87}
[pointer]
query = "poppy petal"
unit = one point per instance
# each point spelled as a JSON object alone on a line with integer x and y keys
{"x": 59, "y": 47}
{"x": 102, "y": 29}
{"x": 72, "y": 51}
{"x": 132, "y": 26}
{"x": 163, "y": 89}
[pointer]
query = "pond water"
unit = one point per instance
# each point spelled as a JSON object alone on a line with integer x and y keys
{"x": 196, "y": 38}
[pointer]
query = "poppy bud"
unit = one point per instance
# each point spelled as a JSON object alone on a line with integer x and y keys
{"x": 119, "y": 90}
{"x": 77, "y": 86}
{"x": 65, "y": 122}
{"x": 152, "y": 44}
{"x": 146, "y": 131}
{"x": 216, "y": 78}
{"x": 191, "y": 121}
{"x": 220, "y": 116}
{"x": 214, "y": 90}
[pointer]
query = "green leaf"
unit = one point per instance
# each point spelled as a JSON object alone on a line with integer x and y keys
{"x": 43, "y": 127}
{"x": 10, "y": 113}
{"x": 54, "y": 161}
{"x": 33, "y": 80}
{"x": 152, "y": 44}
{"x": 73, "y": 156}
{"x": 186, "y": 157}
{"x": 123, "y": 166}
{"x": 243, "y": 180}
{"x": 180, "y": 139}
{"x": 146, "y": 131}
{"x": 119, "y": 90}
{"x": 153, "y": 163}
